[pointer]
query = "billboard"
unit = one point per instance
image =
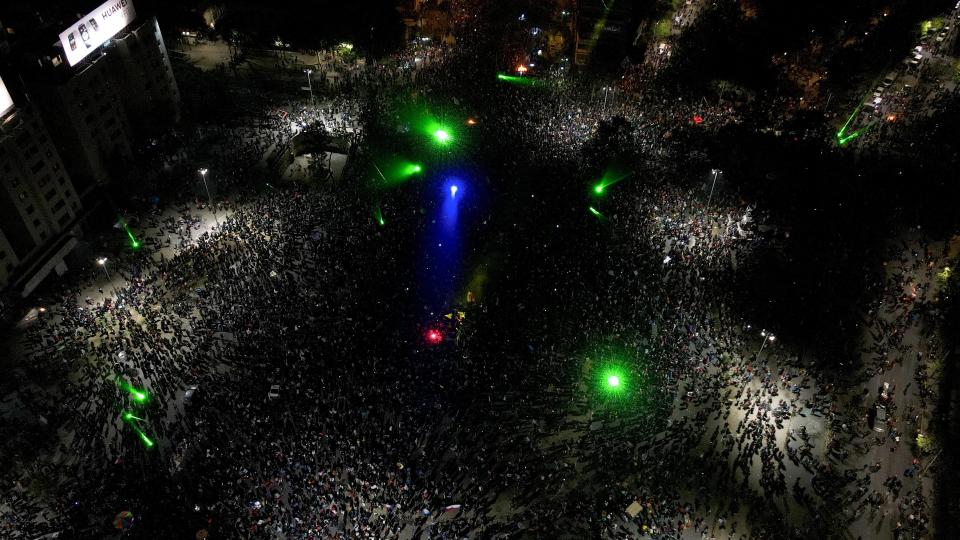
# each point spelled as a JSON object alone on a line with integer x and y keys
{"x": 6, "y": 102}
{"x": 95, "y": 28}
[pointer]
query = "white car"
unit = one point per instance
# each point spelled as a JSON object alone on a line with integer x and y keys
{"x": 274, "y": 392}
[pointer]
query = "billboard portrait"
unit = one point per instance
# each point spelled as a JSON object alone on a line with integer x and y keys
{"x": 95, "y": 28}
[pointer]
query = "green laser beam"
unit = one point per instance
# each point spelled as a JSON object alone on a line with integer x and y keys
{"x": 397, "y": 171}
{"x": 595, "y": 212}
{"x": 135, "y": 393}
{"x": 129, "y": 418}
{"x": 605, "y": 182}
{"x": 143, "y": 437}
{"x": 378, "y": 214}
{"x": 134, "y": 243}
{"x": 853, "y": 115}
{"x": 521, "y": 81}
{"x": 844, "y": 140}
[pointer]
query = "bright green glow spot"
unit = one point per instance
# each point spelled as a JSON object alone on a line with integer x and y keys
{"x": 135, "y": 393}
{"x": 595, "y": 212}
{"x": 608, "y": 180}
{"x": 130, "y": 416}
{"x": 395, "y": 171}
{"x": 614, "y": 380}
{"x": 441, "y": 135}
{"x": 378, "y": 215}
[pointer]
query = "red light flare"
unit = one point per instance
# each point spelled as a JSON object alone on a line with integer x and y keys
{"x": 697, "y": 119}
{"x": 434, "y": 336}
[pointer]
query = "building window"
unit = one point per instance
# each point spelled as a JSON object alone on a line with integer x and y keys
{"x": 49, "y": 194}
{"x": 60, "y": 204}
{"x": 30, "y": 210}
{"x": 64, "y": 219}
{"x": 36, "y": 167}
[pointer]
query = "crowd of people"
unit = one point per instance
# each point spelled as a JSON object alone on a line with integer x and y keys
{"x": 254, "y": 369}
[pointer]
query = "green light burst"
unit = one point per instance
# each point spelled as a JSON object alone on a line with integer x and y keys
{"x": 520, "y": 81}
{"x": 136, "y": 394}
{"x": 609, "y": 178}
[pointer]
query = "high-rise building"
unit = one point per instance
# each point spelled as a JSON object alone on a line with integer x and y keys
{"x": 105, "y": 80}
{"x": 38, "y": 203}
{"x": 86, "y": 88}
{"x": 84, "y": 112}
{"x": 603, "y": 31}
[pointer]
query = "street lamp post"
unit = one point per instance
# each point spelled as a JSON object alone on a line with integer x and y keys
{"x": 713, "y": 185}
{"x": 203, "y": 176}
{"x": 309, "y": 83}
{"x": 102, "y": 261}
{"x": 606, "y": 89}
{"x": 767, "y": 336}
